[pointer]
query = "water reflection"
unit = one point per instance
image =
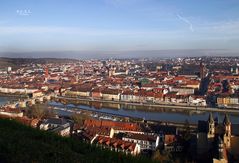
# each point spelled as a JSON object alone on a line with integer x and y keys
{"x": 4, "y": 100}
{"x": 148, "y": 113}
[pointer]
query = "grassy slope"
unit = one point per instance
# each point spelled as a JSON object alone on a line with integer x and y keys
{"x": 19, "y": 143}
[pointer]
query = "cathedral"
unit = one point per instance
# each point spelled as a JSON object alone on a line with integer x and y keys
{"x": 214, "y": 136}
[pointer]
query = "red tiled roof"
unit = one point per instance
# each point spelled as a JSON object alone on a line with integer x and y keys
{"x": 116, "y": 143}
{"x": 111, "y": 91}
{"x": 111, "y": 124}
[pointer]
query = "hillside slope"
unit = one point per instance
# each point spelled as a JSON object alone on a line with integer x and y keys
{"x": 19, "y": 143}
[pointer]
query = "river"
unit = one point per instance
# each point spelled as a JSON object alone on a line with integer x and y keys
{"x": 164, "y": 114}
{"x": 4, "y": 100}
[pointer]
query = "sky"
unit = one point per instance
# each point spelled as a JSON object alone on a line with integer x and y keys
{"x": 118, "y": 27}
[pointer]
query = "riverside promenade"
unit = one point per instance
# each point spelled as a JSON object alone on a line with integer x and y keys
{"x": 153, "y": 105}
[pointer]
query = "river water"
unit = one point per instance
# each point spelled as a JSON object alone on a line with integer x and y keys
{"x": 4, "y": 100}
{"x": 164, "y": 114}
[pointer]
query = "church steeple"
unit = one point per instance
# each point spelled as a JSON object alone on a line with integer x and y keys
{"x": 211, "y": 126}
{"x": 220, "y": 156}
{"x": 226, "y": 120}
{"x": 227, "y": 128}
{"x": 210, "y": 118}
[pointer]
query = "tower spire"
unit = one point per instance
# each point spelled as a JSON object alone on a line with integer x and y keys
{"x": 211, "y": 126}
{"x": 227, "y": 134}
{"x": 210, "y": 118}
{"x": 226, "y": 120}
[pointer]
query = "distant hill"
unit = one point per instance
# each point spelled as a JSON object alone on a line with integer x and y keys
{"x": 19, "y": 143}
{"x": 5, "y": 62}
{"x": 16, "y": 62}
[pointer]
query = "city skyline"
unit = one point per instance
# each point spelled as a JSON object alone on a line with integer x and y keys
{"x": 122, "y": 28}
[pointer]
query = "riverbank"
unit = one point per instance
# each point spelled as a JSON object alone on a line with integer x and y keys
{"x": 195, "y": 108}
{"x": 7, "y": 99}
{"x": 111, "y": 116}
{"x": 12, "y": 95}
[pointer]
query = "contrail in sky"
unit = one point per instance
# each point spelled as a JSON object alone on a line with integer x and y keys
{"x": 186, "y": 21}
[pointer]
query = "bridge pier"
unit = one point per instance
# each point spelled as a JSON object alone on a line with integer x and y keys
{"x": 23, "y": 104}
{"x": 33, "y": 102}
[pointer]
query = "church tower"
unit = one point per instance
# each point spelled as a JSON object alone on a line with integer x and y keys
{"x": 46, "y": 74}
{"x": 227, "y": 134}
{"x": 211, "y": 127}
{"x": 202, "y": 70}
{"x": 220, "y": 155}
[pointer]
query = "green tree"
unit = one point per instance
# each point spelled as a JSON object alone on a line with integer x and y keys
{"x": 41, "y": 111}
{"x": 162, "y": 156}
{"x": 80, "y": 118}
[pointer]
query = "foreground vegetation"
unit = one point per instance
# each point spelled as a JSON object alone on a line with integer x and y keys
{"x": 19, "y": 143}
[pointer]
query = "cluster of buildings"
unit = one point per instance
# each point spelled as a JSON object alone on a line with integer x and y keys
{"x": 57, "y": 125}
{"x": 214, "y": 139}
{"x": 147, "y": 93}
{"x": 181, "y": 81}
{"x": 217, "y": 138}
{"x": 127, "y": 137}
{"x": 225, "y": 89}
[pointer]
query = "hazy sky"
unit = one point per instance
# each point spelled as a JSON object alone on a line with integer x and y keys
{"x": 118, "y": 25}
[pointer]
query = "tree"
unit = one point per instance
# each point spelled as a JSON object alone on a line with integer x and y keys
{"x": 186, "y": 133}
{"x": 40, "y": 111}
{"x": 80, "y": 118}
{"x": 162, "y": 156}
{"x": 37, "y": 111}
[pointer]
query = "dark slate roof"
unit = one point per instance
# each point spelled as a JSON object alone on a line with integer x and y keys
{"x": 143, "y": 137}
{"x": 235, "y": 129}
{"x": 57, "y": 121}
{"x": 167, "y": 130}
